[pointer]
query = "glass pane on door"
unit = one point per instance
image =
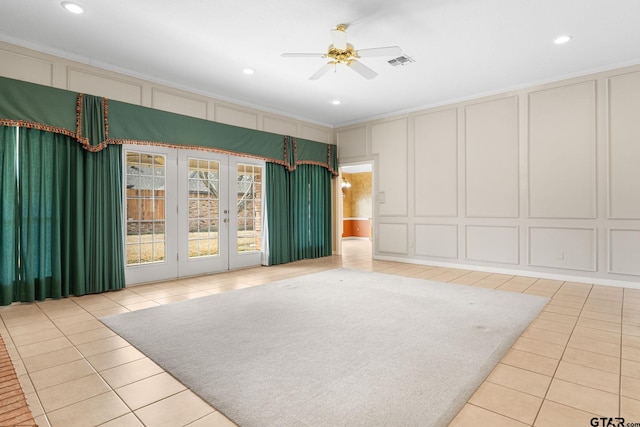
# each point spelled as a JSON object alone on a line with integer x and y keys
{"x": 145, "y": 208}
{"x": 203, "y": 210}
{"x": 249, "y": 206}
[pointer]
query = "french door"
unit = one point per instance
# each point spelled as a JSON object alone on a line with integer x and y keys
{"x": 190, "y": 212}
{"x": 203, "y": 213}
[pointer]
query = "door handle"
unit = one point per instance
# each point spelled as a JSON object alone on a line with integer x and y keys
{"x": 226, "y": 220}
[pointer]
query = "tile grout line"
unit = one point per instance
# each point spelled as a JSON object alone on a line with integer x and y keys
{"x": 486, "y": 379}
{"x": 56, "y": 327}
{"x": 563, "y": 352}
{"x": 494, "y": 412}
{"x": 111, "y": 389}
{"x": 452, "y": 281}
{"x": 554, "y": 373}
{"x": 44, "y": 412}
{"x": 95, "y": 371}
{"x": 35, "y": 391}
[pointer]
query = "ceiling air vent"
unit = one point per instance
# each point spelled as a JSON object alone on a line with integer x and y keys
{"x": 401, "y": 60}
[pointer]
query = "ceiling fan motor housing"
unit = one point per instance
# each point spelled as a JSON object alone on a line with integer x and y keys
{"x": 342, "y": 56}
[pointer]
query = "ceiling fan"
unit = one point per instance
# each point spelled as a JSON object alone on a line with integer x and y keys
{"x": 341, "y": 52}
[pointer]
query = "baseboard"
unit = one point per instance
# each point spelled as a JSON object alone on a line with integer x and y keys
{"x": 513, "y": 272}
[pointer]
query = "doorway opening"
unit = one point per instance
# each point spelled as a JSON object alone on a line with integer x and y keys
{"x": 357, "y": 210}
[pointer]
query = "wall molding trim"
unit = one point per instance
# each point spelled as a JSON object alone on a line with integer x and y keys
{"x": 514, "y": 272}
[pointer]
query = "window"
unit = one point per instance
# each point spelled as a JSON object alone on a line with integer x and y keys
{"x": 145, "y": 208}
{"x": 249, "y": 190}
{"x": 204, "y": 203}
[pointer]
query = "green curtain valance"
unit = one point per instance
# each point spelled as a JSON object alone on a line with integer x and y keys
{"x": 304, "y": 152}
{"x": 35, "y": 106}
{"x": 135, "y": 124}
{"x": 92, "y": 122}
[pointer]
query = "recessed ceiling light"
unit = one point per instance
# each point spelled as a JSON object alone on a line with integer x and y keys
{"x": 336, "y": 102}
{"x": 72, "y": 7}
{"x": 248, "y": 71}
{"x": 562, "y": 39}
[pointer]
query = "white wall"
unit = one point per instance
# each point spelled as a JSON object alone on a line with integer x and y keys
{"x": 36, "y": 67}
{"x": 543, "y": 181}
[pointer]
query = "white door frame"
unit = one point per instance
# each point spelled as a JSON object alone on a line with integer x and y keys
{"x": 191, "y": 266}
{"x": 167, "y": 268}
{"x": 247, "y": 258}
{"x": 340, "y": 204}
{"x": 177, "y": 262}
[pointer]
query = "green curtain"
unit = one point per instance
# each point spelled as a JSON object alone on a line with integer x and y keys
{"x": 8, "y": 214}
{"x": 320, "y": 241}
{"x": 299, "y": 207}
{"x": 69, "y": 225}
{"x": 277, "y": 199}
{"x": 102, "y": 232}
{"x": 69, "y": 162}
{"x": 104, "y": 253}
{"x": 39, "y": 254}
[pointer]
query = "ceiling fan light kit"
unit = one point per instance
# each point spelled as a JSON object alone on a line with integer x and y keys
{"x": 341, "y": 52}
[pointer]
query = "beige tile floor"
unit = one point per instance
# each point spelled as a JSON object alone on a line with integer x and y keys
{"x": 580, "y": 358}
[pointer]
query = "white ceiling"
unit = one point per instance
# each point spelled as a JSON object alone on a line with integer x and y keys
{"x": 462, "y": 48}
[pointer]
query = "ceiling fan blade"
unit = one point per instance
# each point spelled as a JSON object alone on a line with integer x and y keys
{"x": 379, "y": 51}
{"x": 303, "y": 55}
{"x": 322, "y": 71}
{"x": 362, "y": 69}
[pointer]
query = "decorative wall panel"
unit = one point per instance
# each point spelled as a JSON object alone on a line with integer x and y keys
{"x": 232, "y": 116}
{"x": 279, "y": 126}
{"x": 174, "y": 103}
{"x": 315, "y": 134}
{"x": 26, "y": 68}
{"x": 436, "y": 240}
{"x": 562, "y": 152}
{"x": 352, "y": 143}
{"x": 624, "y": 146}
{"x": 103, "y": 85}
{"x": 491, "y": 153}
{"x": 389, "y": 141}
{"x": 492, "y": 243}
{"x": 436, "y": 164}
{"x": 567, "y": 248}
{"x": 392, "y": 238}
{"x": 624, "y": 251}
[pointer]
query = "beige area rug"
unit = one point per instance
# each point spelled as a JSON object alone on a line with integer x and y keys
{"x": 337, "y": 348}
